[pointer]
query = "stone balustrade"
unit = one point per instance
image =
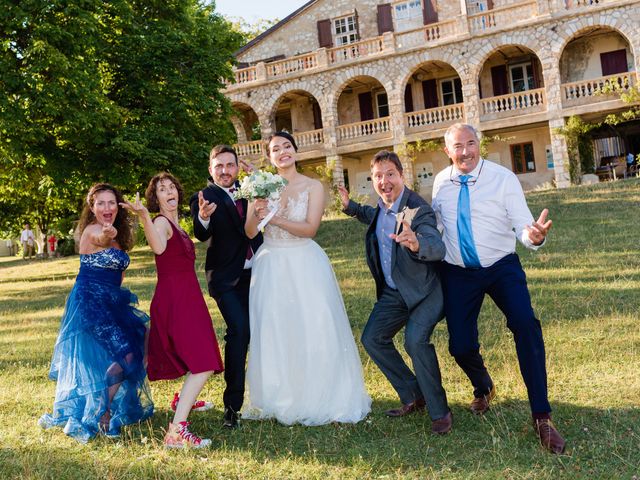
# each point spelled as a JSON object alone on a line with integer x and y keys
{"x": 299, "y": 63}
{"x": 423, "y": 36}
{"x": 245, "y": 75}
{"x": 502, "y": 17}
{"x": 590, "y": 91}
{"x": 250, "y": 149}
{"x": 353, "y": 51}
{"x": 362, "y": 130}
{"x": 310, "y": 139}
{"x": 520, "y": 103}
{"x": 441, "y": 116}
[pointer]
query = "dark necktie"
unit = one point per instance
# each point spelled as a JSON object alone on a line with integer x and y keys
{"x": 240, "y": 210}
{"x": 465, "y": 233}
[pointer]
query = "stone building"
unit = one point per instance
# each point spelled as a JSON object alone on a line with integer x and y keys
{"x": 349, "y": 78}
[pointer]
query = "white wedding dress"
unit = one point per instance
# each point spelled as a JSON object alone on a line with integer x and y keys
{"x": 304, "y": 365}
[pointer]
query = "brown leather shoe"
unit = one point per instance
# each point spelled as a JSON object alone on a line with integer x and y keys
{"x": 417, "y": 406}
{"x": 442, "y": 425}
{"x": 480, "y": 405}
{"x": 549, "y": 436}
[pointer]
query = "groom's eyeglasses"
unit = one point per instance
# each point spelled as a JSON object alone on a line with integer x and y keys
{"x": 471, "y": 182}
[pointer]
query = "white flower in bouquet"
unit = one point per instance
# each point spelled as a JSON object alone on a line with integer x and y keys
{"x": 260, "y": 184}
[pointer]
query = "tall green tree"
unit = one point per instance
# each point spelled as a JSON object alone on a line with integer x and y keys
{"x": 106, "y": 91}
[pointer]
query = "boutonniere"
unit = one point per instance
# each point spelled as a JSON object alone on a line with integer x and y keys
{"x": 406, "y": 214}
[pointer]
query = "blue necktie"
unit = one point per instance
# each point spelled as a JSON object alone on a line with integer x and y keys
{"x": 465, "y": 233}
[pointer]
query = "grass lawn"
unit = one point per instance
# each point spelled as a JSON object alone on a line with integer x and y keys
{"x": 584, "y": 286}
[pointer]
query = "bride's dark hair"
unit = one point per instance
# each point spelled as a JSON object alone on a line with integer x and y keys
{"x": 282, "y": 134}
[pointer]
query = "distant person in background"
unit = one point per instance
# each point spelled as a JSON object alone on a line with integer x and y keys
{"x": 631, "y": 160}
{"x": 98, "y": 359}
{"x": 28, "y": 241}
{"x": 52, "y": 243}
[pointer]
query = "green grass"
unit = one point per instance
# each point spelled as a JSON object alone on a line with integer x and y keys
{"x": 584, "y": 285}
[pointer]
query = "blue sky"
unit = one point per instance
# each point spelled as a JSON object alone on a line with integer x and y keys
{"x": 252, "y": 10}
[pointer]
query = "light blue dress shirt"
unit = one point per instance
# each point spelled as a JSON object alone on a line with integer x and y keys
{"x": 385, "y": 226}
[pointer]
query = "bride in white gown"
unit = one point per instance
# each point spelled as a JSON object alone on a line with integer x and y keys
{"x": 304, "y": 365}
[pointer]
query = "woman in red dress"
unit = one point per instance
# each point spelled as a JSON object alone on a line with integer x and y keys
{"x": 181, "y": 340}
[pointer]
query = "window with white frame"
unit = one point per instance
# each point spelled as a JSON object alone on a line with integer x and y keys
{"x": 451, "y": 91}
{"x": 521, "y": 77}
{"x": 408, "y": 15}
{"x": 345, "y": 30}
{"x": 382, "y": 102}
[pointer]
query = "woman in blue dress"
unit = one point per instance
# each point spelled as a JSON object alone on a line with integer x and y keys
{"x": 99, "y": 356}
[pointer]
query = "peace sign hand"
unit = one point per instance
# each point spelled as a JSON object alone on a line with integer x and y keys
{"x": 538, "y": 230}
{"x": 407, "y": 238}
{"x": 136, "y": 207}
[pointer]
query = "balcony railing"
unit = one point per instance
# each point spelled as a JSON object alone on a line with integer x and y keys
{"x": 591, "y": 91}
{"x": 246, "y": 75}
{"x": 502, "y": 17}
{"x": 292, "y": 65}
{"x": 422, "y": 36}
{"x": 529, "y": 101}
{"x": 364, "y": 48}
{"x": 250, "y": 149}
{"x": 434, "y": 116}
{"x": 310, "y": 139}
{"x": 572, "y": 4}
{"x": 363, "y": 130}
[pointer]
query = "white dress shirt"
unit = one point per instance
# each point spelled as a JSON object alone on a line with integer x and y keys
{"x": 499, "y": 212}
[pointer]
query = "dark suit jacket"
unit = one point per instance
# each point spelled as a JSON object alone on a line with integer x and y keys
{"x": 415, "y": 274}
{"x": 227, "y": 242}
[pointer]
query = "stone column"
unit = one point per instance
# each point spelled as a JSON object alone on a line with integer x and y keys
{"x": 239, "y": 127}
{"x": 471, "y": 96}
{"x": 560, "y": 154}
{"x": 337, "y": 169}
{"x": 398, "y": 128}
{"x": 334, "y": 161}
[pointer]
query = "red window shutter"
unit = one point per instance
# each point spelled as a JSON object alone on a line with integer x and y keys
{"x": 613, "y": 62}
{"x": 325, "y": 38}
{"x": 430, "y": 92}
{"x": 408, "y": 99}
{"x": 430, "y": 12}
{"x": 499, "y": 80}
{"x": 366, "y": 106}
{"x": 535, "y": 65}
{"x": 355, "y": 19}
{"x": 489, "y": 4}
{"x": 385, "y": 20}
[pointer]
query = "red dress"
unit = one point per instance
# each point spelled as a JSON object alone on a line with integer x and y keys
{"x": 181, "y": 339}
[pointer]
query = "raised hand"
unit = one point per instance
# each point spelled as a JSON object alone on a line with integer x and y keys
{"x": 407, "y": 238}
{"x": 109, "y": 231}
{"x": 136, "y": 207}
{"x": 246, "y": 166}
{"x": 261, "y": 208}
{"x": 538, "y": 230}
{"x": 344, "y": 196}
{"x": 206, "y": 208}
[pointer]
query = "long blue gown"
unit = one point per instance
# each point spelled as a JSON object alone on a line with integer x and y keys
{"x": 101, "y": 343}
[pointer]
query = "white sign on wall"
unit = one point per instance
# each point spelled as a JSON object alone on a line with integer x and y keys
{"x": 424, "y": 174}
{"x": 363, "y": 183}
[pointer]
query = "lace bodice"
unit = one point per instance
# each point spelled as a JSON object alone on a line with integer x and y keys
{"x": 295, "y": 210}
{"x": 110, "y": 259}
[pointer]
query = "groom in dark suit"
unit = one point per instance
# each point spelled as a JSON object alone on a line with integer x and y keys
{"x": 219, "y": 219}
{"x": 403, "y": 247}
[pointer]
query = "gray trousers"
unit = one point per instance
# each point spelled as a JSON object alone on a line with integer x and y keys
{"x": 390, "y": 314}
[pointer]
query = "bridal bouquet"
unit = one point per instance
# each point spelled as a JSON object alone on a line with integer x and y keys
{"x": 260, "y": 184}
